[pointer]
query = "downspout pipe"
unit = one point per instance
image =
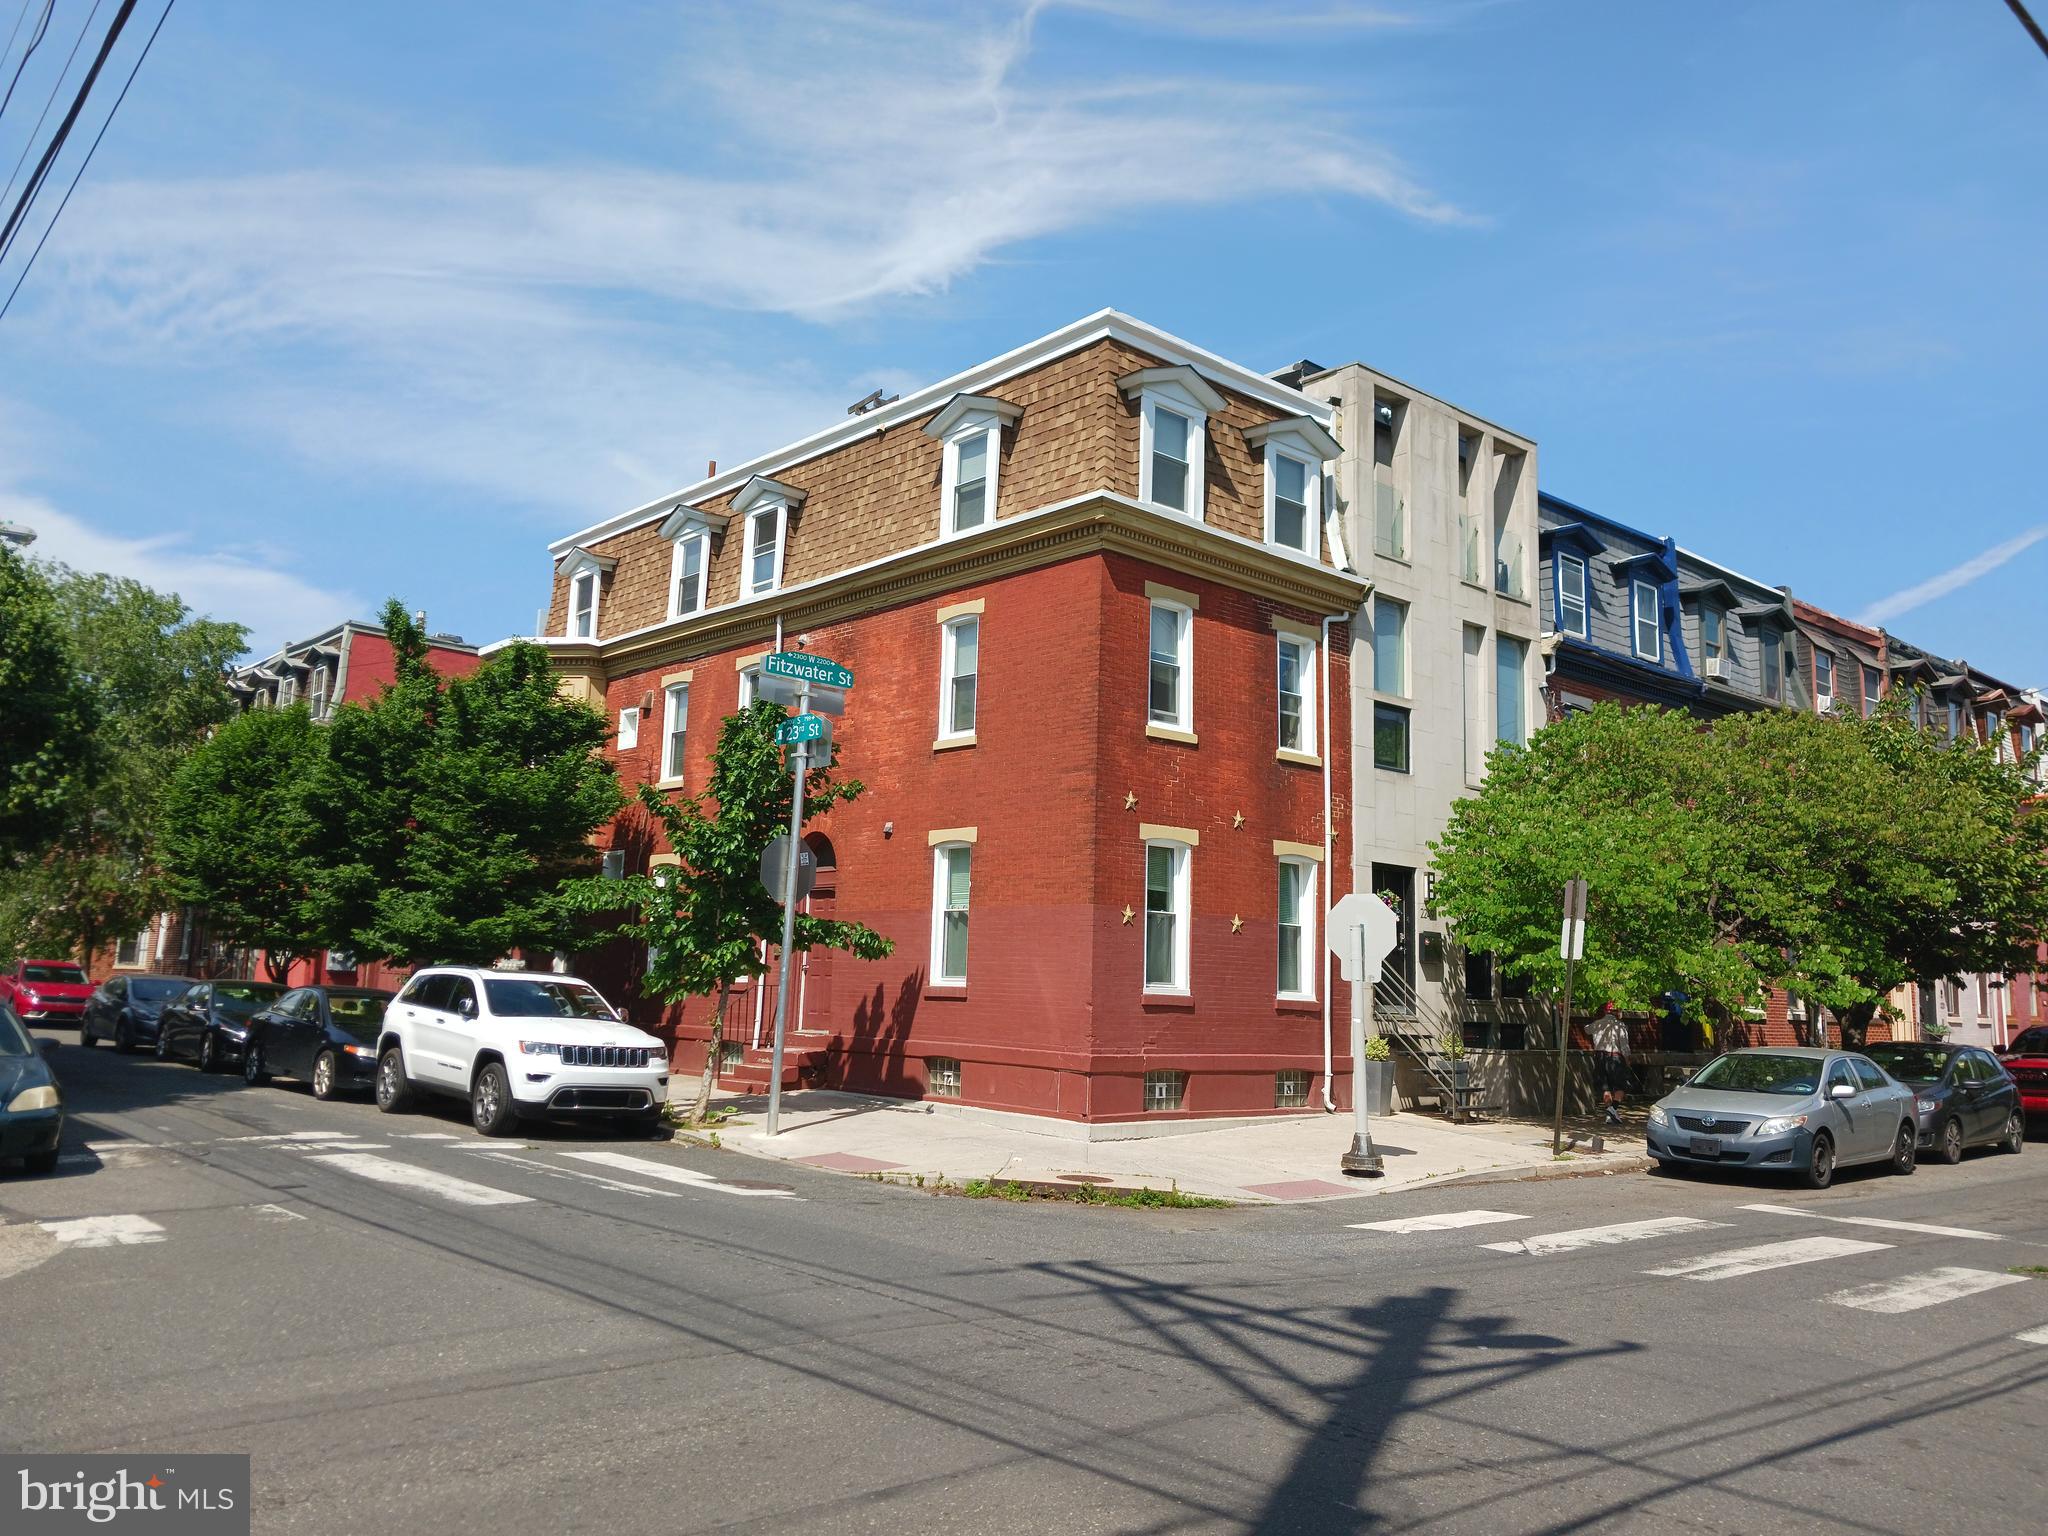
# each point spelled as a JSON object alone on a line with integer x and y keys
{"x": 1329, "y": 872}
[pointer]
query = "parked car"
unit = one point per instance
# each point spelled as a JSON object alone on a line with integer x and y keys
{"x": 209, "y": 1022}
{"x": 2026, "y": 1061}
{"x": 1964, "y": 1097}
{"x": 1786, "y": 1110}
{"x": 325, "y": 1035}
{"x": 125, "y": 1010}
{"x": 46, "y": 991}
{"x": 31, "y": 1107}
{"x": 517, "y": 1045}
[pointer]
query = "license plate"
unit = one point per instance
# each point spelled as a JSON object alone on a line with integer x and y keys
{"x": 1706, "y": 1146}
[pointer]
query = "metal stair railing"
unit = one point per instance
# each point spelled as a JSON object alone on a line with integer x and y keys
{"x": 1426, "y": 1034}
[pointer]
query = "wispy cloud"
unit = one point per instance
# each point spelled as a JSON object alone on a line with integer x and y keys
{"x": 1953, "y": 579}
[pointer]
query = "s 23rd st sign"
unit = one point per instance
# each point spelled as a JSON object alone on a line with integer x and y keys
{"x": 178, "y": 1495}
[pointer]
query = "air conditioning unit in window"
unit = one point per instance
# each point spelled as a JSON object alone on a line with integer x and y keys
{"x": 1717, "y": 669}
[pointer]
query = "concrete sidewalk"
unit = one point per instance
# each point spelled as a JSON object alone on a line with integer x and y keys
{"x": 1291, "y": 1159}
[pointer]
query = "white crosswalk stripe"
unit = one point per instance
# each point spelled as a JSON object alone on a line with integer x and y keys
{"x": 620, "y": 1186}
{"x": 1594, "y": 1237}
{"x": 1442, "y": 1221}
{"x": 384, "y": 1170}
{"x": 2033, "y": 1336}
{"x": 1909, "y": 1293}
{"x": 1880, "y": 1222}
{"x": 1730, "y": 1263}
{"x": 675, "y": 1173}
{"x": 104, "y": 1231}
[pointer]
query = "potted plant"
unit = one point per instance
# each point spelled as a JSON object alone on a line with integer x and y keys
{"x": 1379, "y": 1076}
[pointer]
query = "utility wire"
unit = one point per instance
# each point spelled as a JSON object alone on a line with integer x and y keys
{"x": 42, "y": 26}
{"x": 2033, "y": 27}
{"x": 16, "y": 32}
{"x": 50, "y": 100}
{"x": 32, "y": 255}
{"x": 42, "y": 170}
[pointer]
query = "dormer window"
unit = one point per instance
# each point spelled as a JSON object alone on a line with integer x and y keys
{"x": 585, "y": 574}
{"x": 689, "y": 531}
{"x": 1174, "y": 409}
{"x": 1295, "y": 450}
{"x": 766, "y": 505}
{"x": 971, "y": 429}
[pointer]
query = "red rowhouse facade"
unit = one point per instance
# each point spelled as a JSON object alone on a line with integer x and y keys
{"x": 1066, "y": 777}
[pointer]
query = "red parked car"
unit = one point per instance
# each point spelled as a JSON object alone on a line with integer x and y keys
{"x": 2027, "y": 1060}
{"x": 46, "y": 991}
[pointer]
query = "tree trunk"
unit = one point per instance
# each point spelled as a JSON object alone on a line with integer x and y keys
{"x": 711, "y": 1050}
{"x": 278, "y": 969}
{"x": 1856, "y": 1026}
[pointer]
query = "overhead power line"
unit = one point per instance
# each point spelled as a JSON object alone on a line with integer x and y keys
{"x": 2033, "y": 27}
{"x": 42, "y": 26}
{"x": 49, "y": 156}
{"x": 50, "y": 100}
{"x": 90, "y": 150}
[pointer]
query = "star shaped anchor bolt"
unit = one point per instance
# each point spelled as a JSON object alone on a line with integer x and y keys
{"x": 1130, "y": 800}
{"x": 1236, "y": 923}
{"x": 1128, "y": 914}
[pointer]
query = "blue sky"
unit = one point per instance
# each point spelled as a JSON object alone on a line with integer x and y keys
{"x": 375, "y": 299}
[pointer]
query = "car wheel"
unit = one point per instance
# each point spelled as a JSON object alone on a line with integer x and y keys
{"x": 2015, "y": 1138}
{"x": 42, "y": 1162}
{"x": 86, "y": 1038}
{"x": 162, "y": 1046}
{"x": 254, "y": 1073}
{"x": 324, "y": 1076}
{"x": 209, "y": 1052}
{"x": 1951, "y": 1147}
{"x": 1820, "y": 1167}
{"x": 1904, "y": 1147}
{"x": 394, "y": 1093}
{"x": 490, "y": 1101}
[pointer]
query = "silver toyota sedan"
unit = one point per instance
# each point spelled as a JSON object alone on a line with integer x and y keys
{"x": 1786, "y": 1110}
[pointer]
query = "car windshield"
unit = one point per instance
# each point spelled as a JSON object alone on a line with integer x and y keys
{"x": 1910, "y": 1063}
{"x": 357, "y": 1011}
{"x": 1793, "y": 1076}
{"x": 14, "y": 1040}
{"x": 240, "y": 999}
{"x": 535, "y": 998}
{"x": 70, "y": 973}
{"x": 156, "y": 989}
{"x": 2031, "y": 1042}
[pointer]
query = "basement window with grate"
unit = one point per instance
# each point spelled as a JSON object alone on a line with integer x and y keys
{"x": 1290, "y": 1089}
{"x": 942, "y": 1077}
{"x": 1165, "y": 1090}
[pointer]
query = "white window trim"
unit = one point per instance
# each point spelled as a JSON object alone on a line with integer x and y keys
{"x": 1173, "y": 398}
{"x": 671, "y": 770}
{"x": 754, "y": 518}
{"x": 575, "y": 565}
{"x": 629, "y": 729}
{"x": 940, "y": 851}
{"x": 1312, "y": 490}
{"x": 1636, "y": 610}
{"x": 701, "y": 538}
{"x": 949, "y": 636}
{"x": 1307, "y": 647}
{"x": 1186, "y": 719}
{"x": 1585, "y": 624}
{"x": 1183, "y": 911}
{"x": 1824, "y": 698}
{"x": 975, "y": 424}
{"x": 1311, "y": 897}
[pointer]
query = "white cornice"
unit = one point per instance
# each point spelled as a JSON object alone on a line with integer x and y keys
{"x": 1302, "y": 429}
{"x": 577, "y": 558}
{"x": 964, "y": 407}
{"x": 1197, "y": 388}
{"x": 1104, "y": 324}
{"x": 760, "y": 491}
{"x": 686, "y": 520}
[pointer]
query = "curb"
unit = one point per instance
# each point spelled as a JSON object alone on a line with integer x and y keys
{"x": 1546, "y": 1171}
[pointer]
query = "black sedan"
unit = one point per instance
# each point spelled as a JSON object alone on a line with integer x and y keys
{"x": 31, "y": 1107}
{"x": 209, "y": 1023}
{"x": 1963, "y": 1096}
{"x": 325, "y": 1035}
{"x": 125, "y": 1009}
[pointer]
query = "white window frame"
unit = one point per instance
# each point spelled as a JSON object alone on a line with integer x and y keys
{"x": 1307, "y": 673}
{"x": 578, "y": 567}
{"x": 990, "y": 429}
{"x": 1567, "y": 563}
{"x": 1636, "y": 613}
{"x": 139, "y": 944}
{"x": 1179, "y": 893}
{"x": 1185, "y": 695}
{"x": 941, "y": 861}
{"x": 1309, "y": 898}
{"x": 629, "y": 729}
{"x": 949, "y": 652}
{"x": 316, "y": 696}
{"x": 672, "y": 761}
{"x": 754, "y": 521}
{"x": 1312, "y": 503}
{"x": 1198, "y": 424}
{"x": 1823, "y": 697}
{"x": 701, "y": 541}
{"x": 750, "y": 685}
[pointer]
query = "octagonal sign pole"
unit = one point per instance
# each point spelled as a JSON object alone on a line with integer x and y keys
{"x": 1363, "y": 929}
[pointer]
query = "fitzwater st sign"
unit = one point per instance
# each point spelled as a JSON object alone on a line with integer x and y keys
{"x": 807, "y": 668}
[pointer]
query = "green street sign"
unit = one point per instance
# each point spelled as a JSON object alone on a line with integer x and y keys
{"x": 810, "y": 669}
{"x": 800, "y": 728}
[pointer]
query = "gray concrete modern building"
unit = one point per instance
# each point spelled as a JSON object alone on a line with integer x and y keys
{"x": 1439, "y": 509}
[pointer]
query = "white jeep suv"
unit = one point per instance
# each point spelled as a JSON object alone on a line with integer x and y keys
{"x": 518, "y": 1045}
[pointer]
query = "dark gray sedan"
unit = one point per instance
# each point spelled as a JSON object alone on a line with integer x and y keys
{"x": 1786, "y": 1110}
{"x": 1964, "y": 1097}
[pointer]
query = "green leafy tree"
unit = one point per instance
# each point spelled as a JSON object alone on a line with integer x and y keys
{"x": 705, "y": 923}
{"x": 46, "y": 713}
{"x": 156, "y": 676}
{"x": 236, "y": 836}
{"x": 455, "y": 809}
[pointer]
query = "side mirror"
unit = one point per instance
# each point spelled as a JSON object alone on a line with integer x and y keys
{"x": 48, "y": 1047}
{"x": 466, "y": 1007}
{"x": 1841, "y": 1091}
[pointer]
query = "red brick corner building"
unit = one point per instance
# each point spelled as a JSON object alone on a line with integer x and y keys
{"x": 1098, "y": 607}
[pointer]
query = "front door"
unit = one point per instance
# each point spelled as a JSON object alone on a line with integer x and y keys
{"x": 1394, "y": 995}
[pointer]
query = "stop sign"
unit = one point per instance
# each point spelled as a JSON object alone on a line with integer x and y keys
{"x": 1382, "y": 930}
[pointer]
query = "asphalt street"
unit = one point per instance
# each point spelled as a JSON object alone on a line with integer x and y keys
{"x": 411, "y": 1328}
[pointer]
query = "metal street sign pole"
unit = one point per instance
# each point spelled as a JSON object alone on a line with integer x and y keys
{"x": 800, "y": 756}
{"x": 1571, "y": 944}
{"x": 1361, "y": 1158}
